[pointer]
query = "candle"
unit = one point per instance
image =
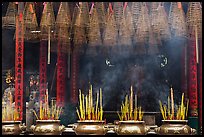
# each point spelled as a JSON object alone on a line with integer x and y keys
{"x": 172, "y": 102}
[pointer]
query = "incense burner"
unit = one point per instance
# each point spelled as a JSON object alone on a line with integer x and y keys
{"x": 90, "y": 127}
{"x": 173, "y": 127}
{"x": 12, "y": 127}
{"x": 47, "y": 127}
{"x": 131, "y": 127}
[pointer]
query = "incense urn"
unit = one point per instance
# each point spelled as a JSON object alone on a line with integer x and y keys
{"x": 131, "y": 127}
{"x": 12, "y": 127}
{"x": 90, "y": 127}
{"x": 47, "y": 127}
{"x": 173, "y": 127}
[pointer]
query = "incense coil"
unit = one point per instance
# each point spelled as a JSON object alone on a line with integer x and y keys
{"x": 118, "y": 13}
{"x": 143, "y": 26}
{"x": 63, "y": 16}
{"x": 101, "y": 17}
{"x": 79, "y": 36}
{"x": 9, "y": 21}
{"x": 30, "y": 22}
{"x": 62, "y": 35}
{"x": 177, "y": 21}
{"x": 110, "y": 33}
{"x": 47, "y": 21}
{"x": 94, "y": 35}
{"x": 136, "y": 9}
{"x": 194, "y": 18}
{"x": 125, "y": 31}
{"x": 163, "y": 25}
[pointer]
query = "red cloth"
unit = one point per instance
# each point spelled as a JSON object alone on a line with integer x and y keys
{"x": 19, "y": 66}
{"x": 74, "y": 77}
{"x": 61, "y": 74}
{"x": 193, "y": 83}
{"x": 43, "y": 70}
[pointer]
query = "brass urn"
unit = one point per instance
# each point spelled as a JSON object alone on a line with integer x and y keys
{"x": 12, "y": 127}
{"x": 131, "y": 127}
{"x": 173, "y": 127}
{"x": 90, "y": 127}
{"x": 47, "y": 127}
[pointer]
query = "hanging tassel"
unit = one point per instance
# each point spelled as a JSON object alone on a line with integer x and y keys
{"x": 125, "y": 6}
{"x": 48, "y": 58}
{"x": 110, "y": 7}
{"x": 179, "y": 5}
{"x": 91, "y": 8}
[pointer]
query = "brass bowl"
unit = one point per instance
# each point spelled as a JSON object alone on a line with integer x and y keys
{"x": 12, "y": 127}
{"x": 47, "y": 127}
{"x": 131, "y": 127}
{"x": 90, "y": 127}
{"x": 173, "y": 127}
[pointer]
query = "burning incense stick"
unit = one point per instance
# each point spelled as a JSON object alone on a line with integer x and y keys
{"x": 172, "y": 102}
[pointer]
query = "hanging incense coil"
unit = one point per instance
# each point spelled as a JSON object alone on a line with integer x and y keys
{"x": 118, "y": 12}
{"x": 30, "y": 23}
{"x": 79, "y": 38}
{"x": 111, "y": 33}
{"x": 136, "y": 9}
{"x": 101, "y": 17}
{"x": 176, "y": 20}
{"x": 153, "y": 43}
{"x": 62, "y": 28}
{"x": 143, "y": 26}
{"x": 156, "y": 39}
{"x": 9, "y": 21}
{"x": 63, "y": 17}
{"x": 47, "y": 21}
{"x": 163, "y": 25}
{"x": 126, "y": 29}
{"x": 194, "y": 18}
{"x": 94, "y": 34}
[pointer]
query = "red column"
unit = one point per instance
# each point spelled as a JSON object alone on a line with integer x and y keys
{"x": 192, "y": 83}
{"x": 19, "y": 65}
{"x": 43, "y": 69}
{"x": 61, "y": 74}
{"x": 74, "y": 77}
{"x": 200, "y": 82}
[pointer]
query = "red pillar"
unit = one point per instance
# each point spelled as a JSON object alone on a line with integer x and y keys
{"x": 74, "y": 77}
{"x": 61, "y": 74}
{"x": 19, "y": 65}
{"x": 192, "y": 83}
{"x": 43, "y": 70}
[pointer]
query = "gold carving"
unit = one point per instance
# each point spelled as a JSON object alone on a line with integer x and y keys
{"x": 185, "y": 130}
{"x": 176, "y": 130}
{"x": 165, "y": 130}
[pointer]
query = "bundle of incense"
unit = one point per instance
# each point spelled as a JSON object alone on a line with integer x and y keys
{"x": 46, "y": 112}
{"x": 127, "y": 111}
{"x": 172, "y": 102}
{"x": 87, "y": 111}
{"x": 180, "y": 114}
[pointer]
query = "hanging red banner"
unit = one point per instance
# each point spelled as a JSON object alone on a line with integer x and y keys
{"x": 74, "y": 77}
{"x": 193, "y": 84}
{"x": 200, "y": 82}
{"x": 43, "y": 69}
{"x": 19, "y": 66}
{"x": 61, "y": 74}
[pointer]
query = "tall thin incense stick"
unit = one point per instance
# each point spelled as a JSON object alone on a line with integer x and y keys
{"x": 172, "y": 102}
